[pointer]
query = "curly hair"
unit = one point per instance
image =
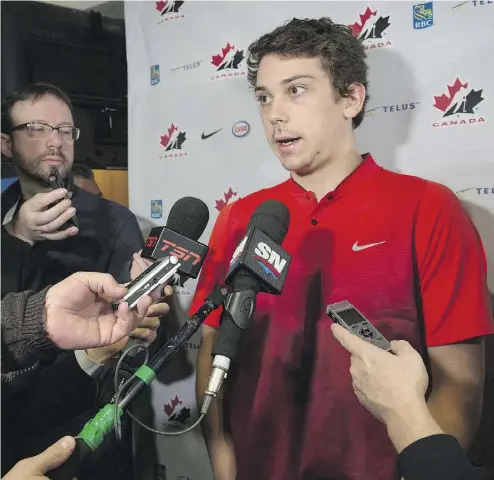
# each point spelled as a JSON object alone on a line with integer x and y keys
{"x": 342, "y": 55}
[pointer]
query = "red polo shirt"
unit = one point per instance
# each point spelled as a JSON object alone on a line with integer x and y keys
{"x": 405, "y": 253}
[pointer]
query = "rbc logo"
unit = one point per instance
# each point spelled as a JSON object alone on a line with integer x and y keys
{"x": 269, "y": 260}
{"x": 155, "y": 75}
{"x": 156, "y": 208}
{"x": 423, "y": 16}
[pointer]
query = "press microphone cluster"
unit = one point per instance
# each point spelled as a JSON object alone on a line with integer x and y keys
{"x": 259, "y": 264}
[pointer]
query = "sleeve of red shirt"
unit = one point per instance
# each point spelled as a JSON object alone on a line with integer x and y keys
{"x": 452, "y": 270}
{"x": 215, "y": 265}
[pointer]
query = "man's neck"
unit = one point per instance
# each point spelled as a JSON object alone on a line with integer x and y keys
{"x": 30, "y": 187}
{"x": 328, "y": 177}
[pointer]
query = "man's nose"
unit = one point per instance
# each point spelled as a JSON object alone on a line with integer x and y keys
{"x": 277, "y": 111}
{"x": 54, "y": 139}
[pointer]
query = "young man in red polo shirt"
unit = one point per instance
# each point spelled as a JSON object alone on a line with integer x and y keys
{"x": 400, "y": 248}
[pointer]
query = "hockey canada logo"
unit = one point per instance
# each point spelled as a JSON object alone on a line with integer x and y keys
{"x": 372, "y": 29}
{"x": 223, "y": 202}
{"x": 176, "y": 412}
{"x": 169, "y": 10}
{"x": 459, "y": 106}
{"x": 228, "y": 63}
{"x": 173, "y": 142}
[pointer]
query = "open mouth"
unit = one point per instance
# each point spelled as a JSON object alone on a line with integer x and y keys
{"x": 288, "y": 141}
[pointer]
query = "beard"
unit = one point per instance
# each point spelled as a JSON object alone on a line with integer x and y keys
{"x": 36, "y": 170}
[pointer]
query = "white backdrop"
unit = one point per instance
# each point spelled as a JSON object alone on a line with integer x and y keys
{"x": 194, "y": 130}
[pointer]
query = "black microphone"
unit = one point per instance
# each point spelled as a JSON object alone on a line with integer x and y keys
{"x": 186, "y": 222}
{"x": 258, "y": 264}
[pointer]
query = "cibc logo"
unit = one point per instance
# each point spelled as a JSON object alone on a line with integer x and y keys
{"x": 241, "y": 129}
{"x": 269, "y": 260}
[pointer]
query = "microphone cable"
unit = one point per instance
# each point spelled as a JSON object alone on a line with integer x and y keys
{"x": 120, "y": 390}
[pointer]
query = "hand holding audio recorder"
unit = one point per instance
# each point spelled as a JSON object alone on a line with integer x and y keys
{"x": 346, "y": 315}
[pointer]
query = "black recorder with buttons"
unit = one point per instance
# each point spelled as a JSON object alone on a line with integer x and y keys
{"x": 345, "y": 314}
{"x": 57, "y": 183}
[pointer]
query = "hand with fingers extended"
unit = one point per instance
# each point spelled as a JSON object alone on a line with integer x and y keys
{"x": 39, "y": 219}
{"x": 80, "y": 311}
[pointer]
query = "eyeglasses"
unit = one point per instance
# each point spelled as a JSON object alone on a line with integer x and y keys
{"x": 43, "y": 130}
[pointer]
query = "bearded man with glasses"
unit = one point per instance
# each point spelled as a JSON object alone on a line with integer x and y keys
{"x": 42, "y": 245}
{"x": 42, "y": 242}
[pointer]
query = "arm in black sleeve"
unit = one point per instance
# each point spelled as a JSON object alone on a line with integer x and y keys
{"x": 14, "y": 253}
{"x": 52, "y": 397}
{"x": 438, "y": 457}
{"x": 23, "y": 327}
{"x": 58, "y": 400}
{"x": 128, "y": 242}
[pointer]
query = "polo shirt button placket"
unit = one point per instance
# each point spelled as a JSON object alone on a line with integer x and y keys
{"x": 313, "y": 221}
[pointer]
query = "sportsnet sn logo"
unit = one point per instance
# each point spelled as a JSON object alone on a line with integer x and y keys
{"x": 372, "y": 29}
{"x": 459, "y": 106}
{"x": 169, "y": 10}
{"x": 173, "y": 142}
{"x": 268, "y": 259}
{"x": 228, "y": 63}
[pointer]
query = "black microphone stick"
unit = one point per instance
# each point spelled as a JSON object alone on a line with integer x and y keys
{"x": 94, "y": 432}
{"x": 258, "y": 264}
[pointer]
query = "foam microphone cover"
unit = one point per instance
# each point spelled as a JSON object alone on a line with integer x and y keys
{"x": 189, "y": 216}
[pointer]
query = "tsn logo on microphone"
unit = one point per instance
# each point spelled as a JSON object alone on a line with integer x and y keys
{"x": 163, "y": 242}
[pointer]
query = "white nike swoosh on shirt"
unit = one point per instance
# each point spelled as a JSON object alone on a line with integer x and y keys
{"x": 356, "y": 247}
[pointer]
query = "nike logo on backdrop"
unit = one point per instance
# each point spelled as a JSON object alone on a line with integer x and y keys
{"x": 204, "y": 136}
{"x": 356, "y": 247}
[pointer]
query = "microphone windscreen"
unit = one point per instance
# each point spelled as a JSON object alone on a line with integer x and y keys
{"x": 272, "y": 218}
{"x": 189, "y": 216}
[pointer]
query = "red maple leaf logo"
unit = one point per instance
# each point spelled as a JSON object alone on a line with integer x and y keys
{"x": 217, "y": 59}
{"x": 443, "y": 102}
{"x": 160, "y": 5}
{"x": 168, "y": 408}
{"x": 165, "y": 139}
{"x": 221, "y": 204}
{"x": 356, "y": 27}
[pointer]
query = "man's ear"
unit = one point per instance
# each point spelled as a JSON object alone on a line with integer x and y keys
{"x": 354, "y": 101}
{"x": 6, "y": 145}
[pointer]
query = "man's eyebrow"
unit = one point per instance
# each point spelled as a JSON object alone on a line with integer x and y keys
{"x": 261, "y": 88}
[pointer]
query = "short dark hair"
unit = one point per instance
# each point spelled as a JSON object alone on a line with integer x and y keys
{"x": 82, "y": 170}
{"x": 32, "y": 91}
{"x": 342, "y": 54}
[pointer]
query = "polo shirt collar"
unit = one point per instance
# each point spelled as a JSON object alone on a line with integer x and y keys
{"x": 360, "y": 177}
